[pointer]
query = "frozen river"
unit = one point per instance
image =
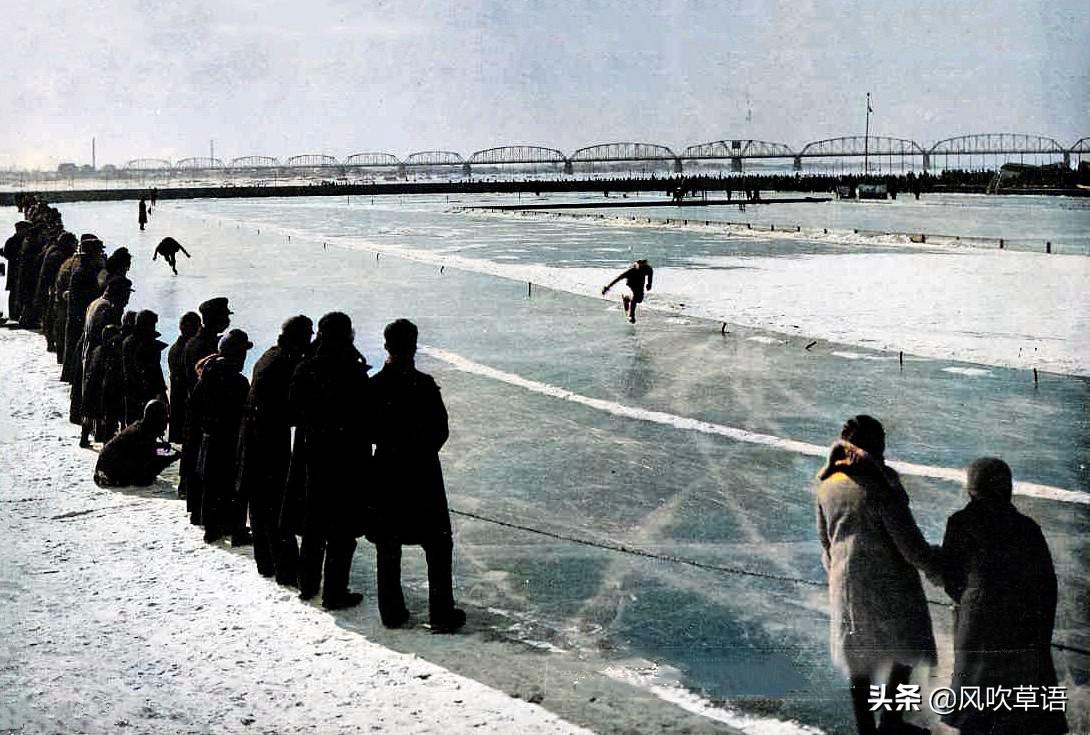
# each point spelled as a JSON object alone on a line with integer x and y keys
{"x": 692, "y": 435}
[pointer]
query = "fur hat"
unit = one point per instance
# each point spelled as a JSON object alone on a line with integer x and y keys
{"x": 989, "y": 478}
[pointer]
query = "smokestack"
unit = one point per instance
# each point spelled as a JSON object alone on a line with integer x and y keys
{"x": 93, "y": 166}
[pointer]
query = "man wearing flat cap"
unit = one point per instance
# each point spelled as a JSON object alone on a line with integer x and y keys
{"x": 215, "y": 318}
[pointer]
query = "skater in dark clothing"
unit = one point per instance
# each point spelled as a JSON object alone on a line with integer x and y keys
{"x": 410, "y": 502}
{"x": 999, "y": 573}
{"x": 215, "y": 318}
{"x": 103, "y": 400}
{"x": 215, "y": 410}
{"x": 187, "y": 327}
{"x": 154, "y": 197}
{"x": 142, "y": 213}
{"x": 141, "y": 358}
{"x": 136, "y": 456}
{"x": 107, "y": 309}
{"x": 879, "y": 623}
{"x": 328, "y": 398}
{"x": 637, "y": 274}
{"x": 265, "y": 451}
{"x": 168, "y": 247}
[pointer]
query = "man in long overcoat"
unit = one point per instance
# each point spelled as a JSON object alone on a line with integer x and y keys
{"x": 141, "y": 358}
{"x": 44, "y": 297}
{"x": 103, "y": 403}
{"x": 215, "y": 318}
{"x": 328, "y": 398}
{"x": 409, "y": 500}
{"x": 998, "y": 571}
{"x": 871, "y": 549}
{"x": 265, "y": 451}
{"x": 30, "y": 265}
{"x": 12, "y": 252}
{"x": 216, "y": 406}
{"x": 187, "y": 327}
{"x": 82, "y": 290}
{"x": 107, "y": 309}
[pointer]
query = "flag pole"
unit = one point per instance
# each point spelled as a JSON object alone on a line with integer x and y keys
{"x": 866, "y": 139}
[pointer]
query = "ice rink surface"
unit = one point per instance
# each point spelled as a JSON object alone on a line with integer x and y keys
{"x": 681, "y": 436}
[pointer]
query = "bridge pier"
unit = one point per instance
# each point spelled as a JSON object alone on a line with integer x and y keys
{"x": 926, "y": 161}
{"x": 798, "y": 163}
{"x": 1067, "y": 159}
{"x": 736, "y": 164}
{"x": 677, "y": 166}
{"x": 466, "y": 170}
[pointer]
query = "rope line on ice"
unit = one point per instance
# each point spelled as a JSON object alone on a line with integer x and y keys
{"x": 466, "y": 365}
{"x": 672, "y": 559}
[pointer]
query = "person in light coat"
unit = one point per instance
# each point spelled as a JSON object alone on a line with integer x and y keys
{"x": 872, "y": 549}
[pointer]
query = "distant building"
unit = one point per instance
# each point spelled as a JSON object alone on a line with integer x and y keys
{"x": 68, "y": 169}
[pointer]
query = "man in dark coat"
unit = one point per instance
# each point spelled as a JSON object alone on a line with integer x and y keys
{"x": 136, "y": 456}
{"x": 215, "y": 409}
{"x": 60, "y": 298}
{"x": 142, "y": 213}
{"x": 328, "y": 397}
{"x": 998, "y": 571}
{"x": 265, "y": 451}
{"x": 215, "y": 318}
{"x": 141, "y": 358}
{"x": 103, "y": 402}
{"x": 106, "y": 309}
{"x": 187, "y": 327}
{"x": 13, "y": 249}
{"x": 44, "y": 297}
{"x": 82, "y": 290}
{"x": 30, "y": 265}
{"x": 410, "y": 500}
{"x": 871, "y": 549}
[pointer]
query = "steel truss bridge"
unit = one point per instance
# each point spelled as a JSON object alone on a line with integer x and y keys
{"x": 886, "y": 152}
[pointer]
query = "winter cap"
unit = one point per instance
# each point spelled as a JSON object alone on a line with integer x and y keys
{"x": 146, "y": 320}
{"x": 66, "y": 238}
{"x": 215, "y": 307}
{"x": 334, "y": 327}
{"x": 235, "y": 342}
{"x": 91, "y": 245}
{"x": 88, "y": 236}
{"x": 21, "y": 225}
{"x": 989, "y": 478}
{"x": 298, "y": 326}
{"x": 866, "y": 433}
{"x": 110, "y": 332}
{"x": 189, "y": 323}
{"x": 118, "y": 285}
{"x": 156, "y": 412}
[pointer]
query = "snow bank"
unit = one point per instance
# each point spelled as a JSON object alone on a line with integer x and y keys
{"x": 118, "y": 617}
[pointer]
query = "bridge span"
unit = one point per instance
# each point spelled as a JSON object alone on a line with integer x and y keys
{"x": 878, "y": 153}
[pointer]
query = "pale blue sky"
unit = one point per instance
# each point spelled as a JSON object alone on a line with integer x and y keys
{"x": 155, "y": 78}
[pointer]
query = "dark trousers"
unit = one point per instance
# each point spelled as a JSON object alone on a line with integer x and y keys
{"x": 275, "y": 552}
{"x": 439, "y": 553}
{"x": 336, "y": 550}
{"x": 864, "y": 718}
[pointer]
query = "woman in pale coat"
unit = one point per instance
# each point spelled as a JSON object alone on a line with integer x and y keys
{"x": 871, "y": 549}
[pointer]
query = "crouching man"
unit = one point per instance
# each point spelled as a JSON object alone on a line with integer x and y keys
{"x": 137, "y": 455}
